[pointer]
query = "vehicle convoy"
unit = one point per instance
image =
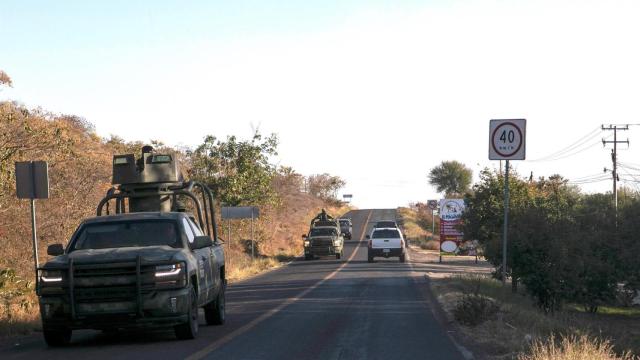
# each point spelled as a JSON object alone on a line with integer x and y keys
{"x": 346, "y": 228}
{"x": 385, "y": 242}
{"x": 324, "y": 238}
{"x": 149, "y": 265}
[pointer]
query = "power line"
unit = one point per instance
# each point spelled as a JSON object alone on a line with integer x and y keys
{"x": 584, "y": 139}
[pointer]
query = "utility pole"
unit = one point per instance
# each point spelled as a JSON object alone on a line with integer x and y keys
{"x": 614, "y": 157}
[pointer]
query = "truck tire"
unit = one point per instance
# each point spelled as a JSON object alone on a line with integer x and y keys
{"x": 402, "y": 258}
{"x": 308, "y": 257}
{"x": 338, "y": 256}
{"x": 214, "y": 312}
{"x": 369, "y": 258}
{"x": 57, "y": 337}
{"x": 189, "y": 330}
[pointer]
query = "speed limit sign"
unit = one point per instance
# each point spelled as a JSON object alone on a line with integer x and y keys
{"x": 507, "y": 139}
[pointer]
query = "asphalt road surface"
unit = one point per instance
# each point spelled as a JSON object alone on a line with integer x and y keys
{"x": 318, "y": 309}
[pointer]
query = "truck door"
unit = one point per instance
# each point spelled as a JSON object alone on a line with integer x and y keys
{"x": 204, "y": 279}
{"x": 209, "y": 265}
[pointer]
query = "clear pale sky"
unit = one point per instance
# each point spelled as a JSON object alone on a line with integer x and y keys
{"x": 377, "y": 92}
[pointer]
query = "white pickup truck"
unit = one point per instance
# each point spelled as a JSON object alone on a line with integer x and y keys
{"x": 386, "y": 242}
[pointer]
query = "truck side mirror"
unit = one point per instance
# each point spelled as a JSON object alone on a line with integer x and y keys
{"x": 201, "y": 242}
{"x": 304, "y": 236}
{"x": 368, "y": 237}
{"x": 55, "y": 250}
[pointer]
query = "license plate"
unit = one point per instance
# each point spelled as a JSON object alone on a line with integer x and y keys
{"x": 386, "y": 250}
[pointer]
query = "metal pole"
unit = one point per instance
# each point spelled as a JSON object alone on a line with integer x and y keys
{"x": 433, "y": 224}
{"x": 506, "y": 223}
{"x": 615, "y": 169}
{"x": 229, "y": 227}
{"x": 252, "y": 239}
{"x": 33, "y": 232}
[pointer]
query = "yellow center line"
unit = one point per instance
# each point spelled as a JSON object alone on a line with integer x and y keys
{"x": 243, "y": 329}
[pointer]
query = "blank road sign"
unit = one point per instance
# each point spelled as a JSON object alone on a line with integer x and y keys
{"x": 240, "y": 212}
{"x": 507, "y": 139}
{"x": 32, "y": 180}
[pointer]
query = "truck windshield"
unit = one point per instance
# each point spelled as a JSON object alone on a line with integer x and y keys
{"x": 344, "y": 223}
{"x": 323, "y": 232}
{"x": 127, "y": 234}
{"x": 386, "y": 234}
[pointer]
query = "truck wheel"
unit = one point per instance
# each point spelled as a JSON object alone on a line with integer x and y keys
{"x": 338, "y": 255}
{"x": 189, "y": 330}
{"x": 57, "y": 337}
{"x": 214, "y": 312}
{"x": 369, "y": 258}
{"x": 402, "y": 258}
{"x": 308, "y": 257}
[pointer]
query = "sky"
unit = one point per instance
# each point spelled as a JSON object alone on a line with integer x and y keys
{"x": 376, "y": 92}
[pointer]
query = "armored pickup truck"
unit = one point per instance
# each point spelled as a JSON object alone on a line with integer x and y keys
{"x": 150, "y": 264}
{"x": 324, "y": 238}
{"x": 346, "y": 228}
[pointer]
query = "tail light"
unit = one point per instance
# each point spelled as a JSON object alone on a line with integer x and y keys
{"x": 401, "y": 242}
{"x": 369, "y": 244}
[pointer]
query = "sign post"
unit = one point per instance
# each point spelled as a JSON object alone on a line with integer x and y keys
{"x": 32, "y": 182}
{"x": 433, "y": 205}
{"x": 241, "y": 212}
{"x": 507, "y": 142}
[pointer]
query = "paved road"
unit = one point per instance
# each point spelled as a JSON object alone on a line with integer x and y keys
{"x": 319, "y": 309}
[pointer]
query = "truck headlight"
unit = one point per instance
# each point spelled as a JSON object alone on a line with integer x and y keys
{"x": 307, "y": 243}
{"x": 336, "y": 242}
{"x": 51, "y": 276}
{"x": 164, "y": 271}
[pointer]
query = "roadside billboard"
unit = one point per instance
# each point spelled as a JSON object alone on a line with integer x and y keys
{"x": 450, "y": 218}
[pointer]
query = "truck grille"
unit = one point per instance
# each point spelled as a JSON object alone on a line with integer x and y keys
{"x": 322, "y": 242}
{"x": 110, "y": 288}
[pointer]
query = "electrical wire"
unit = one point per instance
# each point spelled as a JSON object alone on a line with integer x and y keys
{"x": 581, "y": 141}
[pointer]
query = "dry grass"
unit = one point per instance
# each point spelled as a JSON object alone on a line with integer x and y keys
{"x": 19, "y": 312}
{"x": 519, "y": 322}
{"x": 417, "y": 233}
{"x": 573, "y": 348}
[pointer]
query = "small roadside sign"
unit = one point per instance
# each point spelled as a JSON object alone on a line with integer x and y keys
{"x": 240, "y": 212}
{"x": 32, "y": 180}
{"x": 507, "y": 139}
{"x": 432, "y": 204}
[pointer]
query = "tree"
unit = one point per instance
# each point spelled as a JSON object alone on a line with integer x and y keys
{"x": 5, "y": 79}
{"x": 325, "y": 186}
{"x": 451, "y": 177}
{"x": 237, "y": 171}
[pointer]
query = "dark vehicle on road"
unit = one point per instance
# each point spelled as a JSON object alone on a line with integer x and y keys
{"x": 385, "y": 224}
{"x": 149, "y": 265}
{"x": 324, "y": 238}
{"x": 346, "y": 228}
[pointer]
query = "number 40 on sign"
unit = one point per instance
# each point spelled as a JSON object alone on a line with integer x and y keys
{"x": 507, "y": 139}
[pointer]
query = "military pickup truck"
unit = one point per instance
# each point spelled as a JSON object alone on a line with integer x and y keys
{"x": 324, "y": 238}
{"x": 151, "y": 264}
{"x": 346, "y": 228}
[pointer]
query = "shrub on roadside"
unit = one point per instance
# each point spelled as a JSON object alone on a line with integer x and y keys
{"x": 474, "y": 309}
{"x": 573, "y": 348}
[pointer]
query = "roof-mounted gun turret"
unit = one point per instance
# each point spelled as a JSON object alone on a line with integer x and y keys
{"x": 153, "y": 183}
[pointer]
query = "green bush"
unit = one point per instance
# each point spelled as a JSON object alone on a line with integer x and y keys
{"x": 474, "y": 309}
